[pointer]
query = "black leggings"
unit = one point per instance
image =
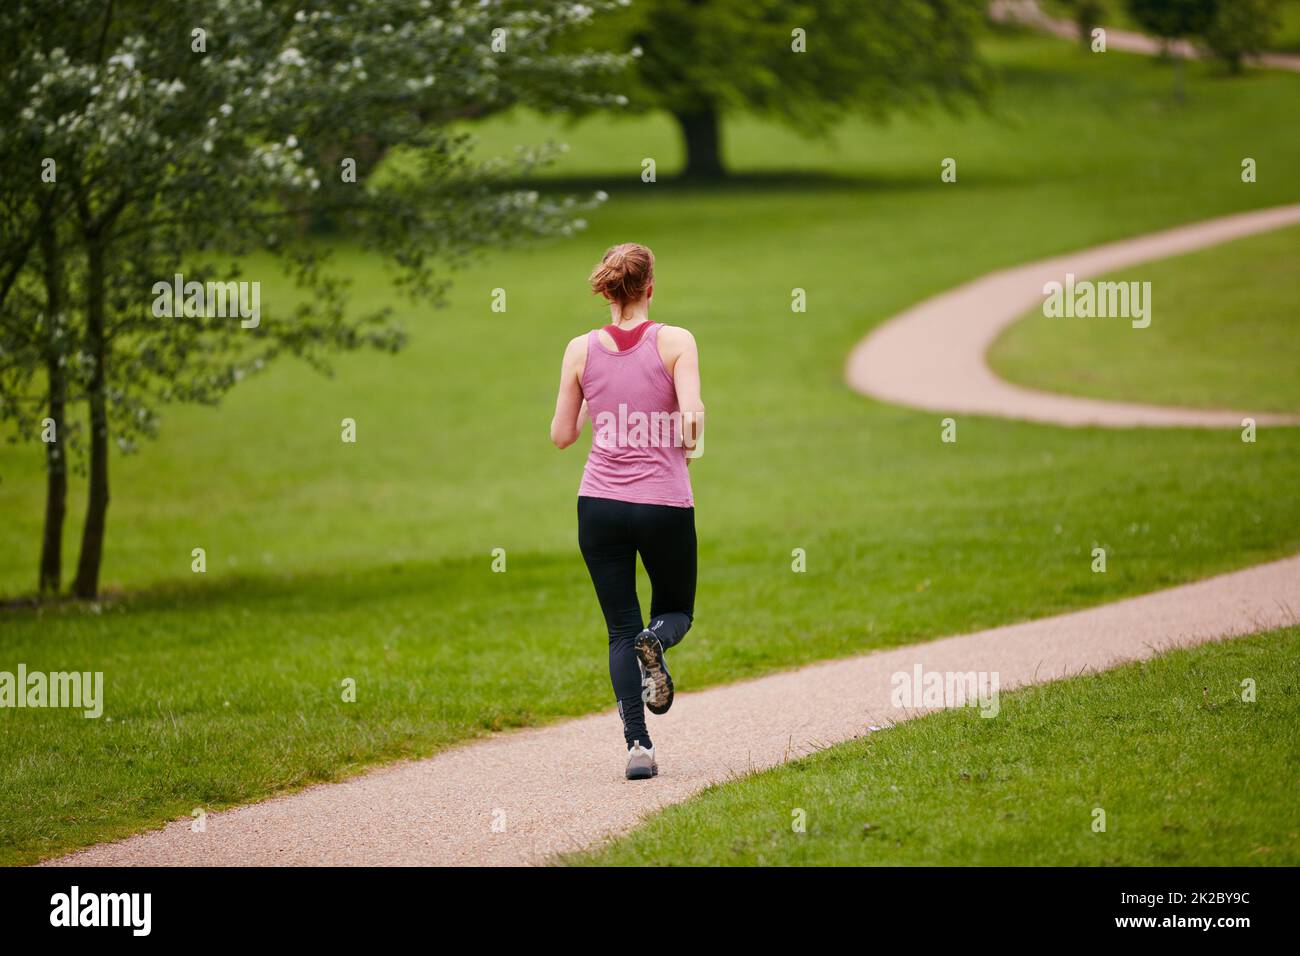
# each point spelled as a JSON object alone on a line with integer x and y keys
{"x": 611, "y": 534}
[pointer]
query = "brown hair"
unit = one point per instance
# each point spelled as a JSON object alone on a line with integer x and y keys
{"x": 624, "y": 273}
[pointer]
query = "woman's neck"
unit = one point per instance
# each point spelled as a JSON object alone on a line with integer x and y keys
{"x": 630, "y": 318}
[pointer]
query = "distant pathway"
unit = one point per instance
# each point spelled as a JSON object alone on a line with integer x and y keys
{"x": 933, "y": 355}
{"x": 1031, "y": 14}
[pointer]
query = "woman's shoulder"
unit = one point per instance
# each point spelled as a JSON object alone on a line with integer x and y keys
{"x": 676, "y": 336}
{"x": 575, "y": 353}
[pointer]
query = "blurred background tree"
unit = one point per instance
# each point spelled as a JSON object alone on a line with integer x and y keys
{"x": 1173, "y": 21}
{"x": 1241, "y": 28}
{"x": 1088, "y": 15}
{"x": 1231, "y": 30}
{"x": 699, "y": 60}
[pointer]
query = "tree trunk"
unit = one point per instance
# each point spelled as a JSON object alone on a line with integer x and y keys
{"x": 1087, "y": 17}
{"x": 56, "y": 460}
{"x": 56, "y": 486}
{"x": 700, "y": 131}
{"x": 92, "y": 534}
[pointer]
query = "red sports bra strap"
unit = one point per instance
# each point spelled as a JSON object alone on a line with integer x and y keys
{"x": 625, "y": 339}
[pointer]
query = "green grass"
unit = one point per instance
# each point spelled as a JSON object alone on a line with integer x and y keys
{"x": 1222, "y": 334}
{"x": 372, "y": 560}
{"x": 1187, "y": 773}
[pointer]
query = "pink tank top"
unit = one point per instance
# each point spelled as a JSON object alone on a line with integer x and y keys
{"x": 637, "y": 452}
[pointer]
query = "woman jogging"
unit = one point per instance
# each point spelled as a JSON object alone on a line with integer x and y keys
{"x": 639, "y": 383}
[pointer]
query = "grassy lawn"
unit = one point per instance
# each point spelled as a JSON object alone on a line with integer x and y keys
{"x": 373, "y": 560}
{"x": 1222, "y": 334}
{"x": 1188, "y": 774}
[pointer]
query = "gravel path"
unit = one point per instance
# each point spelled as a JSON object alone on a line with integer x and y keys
{"x": 933, "y": 355}
{"x": 520, "y": 797}
{"x": 560, "y": 787}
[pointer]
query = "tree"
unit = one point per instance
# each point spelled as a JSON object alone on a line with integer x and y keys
{"x": 1239, "y": 29}
{"x": 1173, "y": 20}
{"x": 805, "y": 63}
{"x": 186, "y": 136}
{"x": 33, "y": 332}
{"x": 51, "y": 334}
{"x": 1087, "y": 16}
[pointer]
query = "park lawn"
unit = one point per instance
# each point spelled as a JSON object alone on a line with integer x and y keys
{"x": 1287, "y": 37}
{"x": 1223, "y": 334}
{"x": 1186, "y": 772}
{"x": 373, "y": 560}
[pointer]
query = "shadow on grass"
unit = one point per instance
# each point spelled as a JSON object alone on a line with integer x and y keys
{"x": 442, "y": 582}
{"x": 768, "y": 181}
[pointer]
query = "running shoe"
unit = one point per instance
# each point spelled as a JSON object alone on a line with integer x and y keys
{"x": 641, "y": 762}
{"x": 656, "y": 682}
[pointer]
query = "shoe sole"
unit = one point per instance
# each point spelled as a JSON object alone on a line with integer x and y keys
{"x": 660, "y": 680}
{"x": 643, "y": 773}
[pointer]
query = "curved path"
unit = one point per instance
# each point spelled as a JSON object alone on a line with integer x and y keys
{"x": 933, "y": 355}
{"x": 520, "y": 797}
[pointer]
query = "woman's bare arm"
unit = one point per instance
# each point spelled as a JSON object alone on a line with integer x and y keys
{"x": 686, "y": 379}
{"x": 570, "y": 406}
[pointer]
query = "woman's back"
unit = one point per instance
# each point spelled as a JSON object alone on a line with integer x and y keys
{"x": 637, "y": 445}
